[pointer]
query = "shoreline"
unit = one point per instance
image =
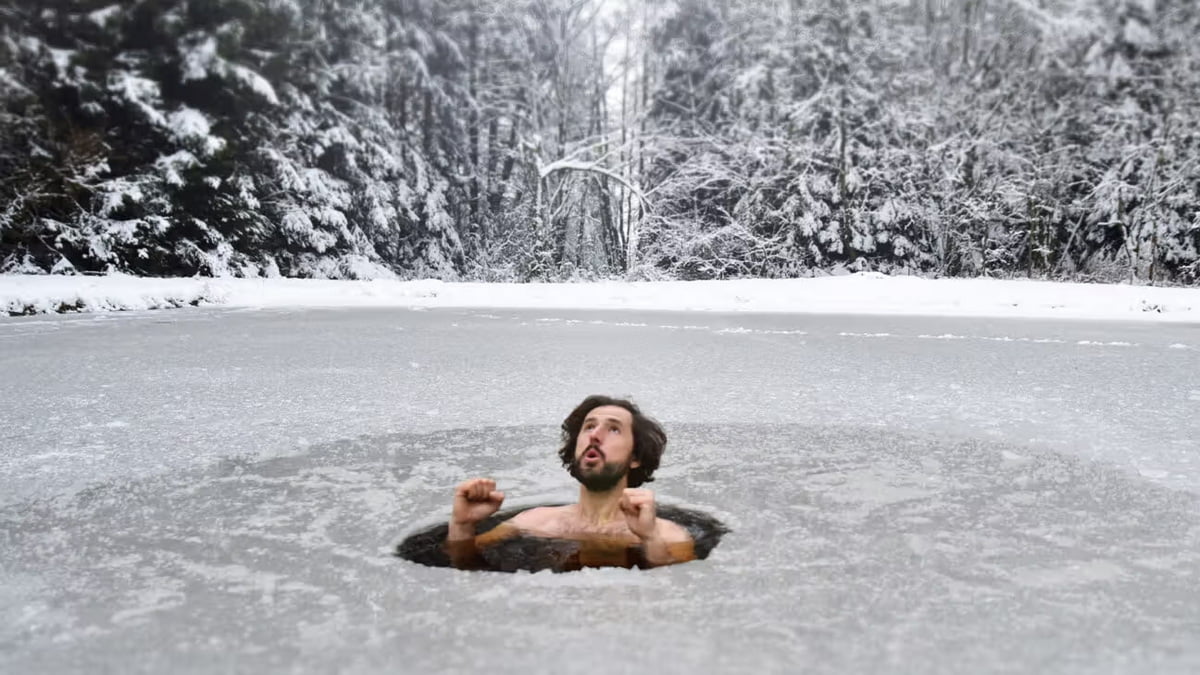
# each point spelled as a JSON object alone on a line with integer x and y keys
{"x": 866, "y": 293}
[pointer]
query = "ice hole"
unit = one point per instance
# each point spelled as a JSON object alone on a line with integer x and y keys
{"x": 535, "y": 553}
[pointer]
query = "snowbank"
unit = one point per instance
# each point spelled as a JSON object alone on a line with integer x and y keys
{"x": 868, "y": 293}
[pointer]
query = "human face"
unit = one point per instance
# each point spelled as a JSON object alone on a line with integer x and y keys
{"x": 604, "y": 448}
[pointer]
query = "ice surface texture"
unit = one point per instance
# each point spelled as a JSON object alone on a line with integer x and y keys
{"x": 852, "y": 550}
{"x": 174, "y": 496}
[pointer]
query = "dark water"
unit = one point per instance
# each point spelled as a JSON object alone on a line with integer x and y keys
{"x": 535, "y": 554}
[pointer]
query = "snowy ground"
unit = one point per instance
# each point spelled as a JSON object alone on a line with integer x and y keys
{"x": 853, "y": 294}
{"x": 217, "y": 489}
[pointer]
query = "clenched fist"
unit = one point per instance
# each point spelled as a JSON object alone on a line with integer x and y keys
{"x": 475, "y": 500}
{"x": 640, "y": 515}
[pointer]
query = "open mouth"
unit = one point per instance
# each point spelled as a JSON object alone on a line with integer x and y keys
{"x": 593, "y": 454}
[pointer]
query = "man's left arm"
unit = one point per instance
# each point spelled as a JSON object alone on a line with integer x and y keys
{"x": 672, "y": 545}
{"x": 663, "y": 542}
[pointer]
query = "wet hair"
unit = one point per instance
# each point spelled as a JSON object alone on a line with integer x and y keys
{"x": 649, "y": 439}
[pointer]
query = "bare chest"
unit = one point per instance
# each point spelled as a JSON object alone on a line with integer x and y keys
{"x": 567, "y": 528}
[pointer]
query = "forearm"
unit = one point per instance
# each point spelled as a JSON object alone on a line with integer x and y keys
{"x": 460, "y": 531}
{"x": 465, "y": 549}
{"x": 460, "y": 546}
{"x": 657, "y": 551}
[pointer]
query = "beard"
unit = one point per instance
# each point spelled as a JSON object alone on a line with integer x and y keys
{"x": 601, "y": 479}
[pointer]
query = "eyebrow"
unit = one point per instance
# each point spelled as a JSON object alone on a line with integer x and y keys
{"x": 611, "y": 418}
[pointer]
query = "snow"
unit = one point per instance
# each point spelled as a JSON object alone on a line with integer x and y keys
{"x": 191, "y": 124}
{"x": 361, "y": 267}
{"x": 116, "y": 192}
{"x": 865, "y": 293}
{"x": 12, "y": 84}
{"x": 101, "y": 17}
{"x": 202, "y": 60}
{"x": 141, "y": 91}
{"x": 230, "y": 483}
{"x": 257, "y": 83}
{"x": 198, "y": 59}
{"x": 62, "y": 58}
{"x": 174, "y": 164}
{"x": 63, "y": 266}
{"x": 1139, "y": 35}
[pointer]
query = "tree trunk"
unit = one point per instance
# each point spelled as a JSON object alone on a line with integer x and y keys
{"x": 473, "y": 117}
{"x": 427, "y": 124}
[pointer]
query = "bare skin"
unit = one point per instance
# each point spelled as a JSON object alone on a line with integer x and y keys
{"x": 617, "y": 516}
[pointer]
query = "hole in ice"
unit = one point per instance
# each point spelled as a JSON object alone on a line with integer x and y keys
{"x": 559, "y": 555}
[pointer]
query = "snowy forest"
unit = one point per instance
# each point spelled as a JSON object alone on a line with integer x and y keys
{"x": 521, "y": 140}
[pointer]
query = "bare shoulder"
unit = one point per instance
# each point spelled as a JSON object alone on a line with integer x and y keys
{"x": 538, "y": 519}
{"x": 672, "y": 532}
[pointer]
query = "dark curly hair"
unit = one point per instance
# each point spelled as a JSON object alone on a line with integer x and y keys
{"x": 649, "y": 439}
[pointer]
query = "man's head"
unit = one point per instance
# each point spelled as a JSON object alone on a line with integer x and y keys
{"x": 606, "y": 439}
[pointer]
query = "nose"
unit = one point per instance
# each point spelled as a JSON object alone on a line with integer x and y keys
{"x": 596, "y": 434}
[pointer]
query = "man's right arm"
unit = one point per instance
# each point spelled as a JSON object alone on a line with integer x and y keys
{"x": 474, "y": 500}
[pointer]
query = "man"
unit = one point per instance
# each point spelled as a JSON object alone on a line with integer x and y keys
{"x": 611, "y": 448}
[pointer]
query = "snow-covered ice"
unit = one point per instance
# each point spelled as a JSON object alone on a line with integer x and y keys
{"x": 219, "y": 488}
{"x": 866, "y": 293}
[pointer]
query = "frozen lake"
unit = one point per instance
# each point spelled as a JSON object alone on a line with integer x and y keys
{"x": 217, "y": 490}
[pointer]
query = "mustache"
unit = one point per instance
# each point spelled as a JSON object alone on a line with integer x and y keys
{"x": 594, "y": 446}
{"x": 600, "y": 479}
